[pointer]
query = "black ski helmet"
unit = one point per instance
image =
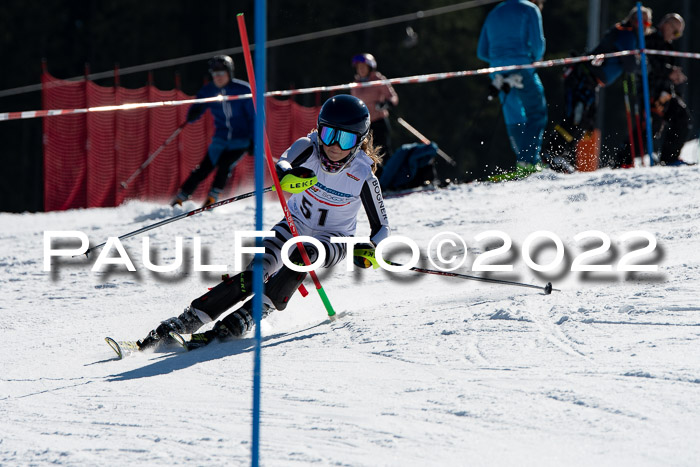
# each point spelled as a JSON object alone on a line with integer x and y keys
{"x": 365, "y": 58}
{"x": 221, "y": 63}
{"x": 347, "y": 113}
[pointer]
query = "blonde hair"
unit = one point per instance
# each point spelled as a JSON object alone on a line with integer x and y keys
{"x": 632, "y": 15}
{"x": 372, "y": 152}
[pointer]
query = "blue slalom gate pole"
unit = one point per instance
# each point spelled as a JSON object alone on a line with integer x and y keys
{"x": 260, "y": 68}
{"x": 645, "y": 82}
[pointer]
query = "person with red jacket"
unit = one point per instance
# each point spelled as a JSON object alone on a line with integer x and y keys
{"x": 377, "y": 98}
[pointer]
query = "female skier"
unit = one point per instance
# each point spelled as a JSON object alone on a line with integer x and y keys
{"x": 340, "y": 153}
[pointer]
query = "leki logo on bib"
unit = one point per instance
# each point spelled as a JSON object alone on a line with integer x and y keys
{"x": 352, "y": 176}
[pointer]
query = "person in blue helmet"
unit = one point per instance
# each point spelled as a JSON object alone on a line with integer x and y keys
{"x": 513, "y": 35}
{"x": 335, "y": 165}
{"x": 234, "y": 121}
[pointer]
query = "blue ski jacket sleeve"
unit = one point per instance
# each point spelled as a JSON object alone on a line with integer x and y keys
{"x": 233, "y": 119}
{"x": 512, "y": 34}
{"x": 618, "y": 38}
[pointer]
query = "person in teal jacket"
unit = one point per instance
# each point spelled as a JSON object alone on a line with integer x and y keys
{"x": 513, "y": 35}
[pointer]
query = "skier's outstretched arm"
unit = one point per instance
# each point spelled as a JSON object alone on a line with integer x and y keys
{"x": 373, "y": 202}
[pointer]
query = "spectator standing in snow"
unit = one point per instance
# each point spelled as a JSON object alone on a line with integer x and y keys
{"x": 513, "y": 35}
{"x": 377, "y": 98}
{"x": 582, "y": 81}
{"x": 339, "y": 160}
{"x": 234, "y": 122}
{"x": 668, "y": 111}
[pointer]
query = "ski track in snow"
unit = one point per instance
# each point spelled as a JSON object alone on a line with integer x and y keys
{"x": 423, "y": 369}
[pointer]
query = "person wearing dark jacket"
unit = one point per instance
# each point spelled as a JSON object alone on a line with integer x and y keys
{"x": 234, "y": 121}
{"x": 670, "y": 115}
{"x": 583, "y": 80}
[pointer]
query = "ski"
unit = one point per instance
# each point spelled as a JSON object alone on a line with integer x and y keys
{"x": 195, "y": 341}
{"x": 125, "y": 348}
{"x": 122, "y": 348}
{"x": 202, "y": 339}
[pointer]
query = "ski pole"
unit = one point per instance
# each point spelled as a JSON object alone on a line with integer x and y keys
{"x": 182, "y": 216}
{"x": 425, "y": 140}
{"x": 637, "y": 117}
{"x": 628, "y": 114}
{"x": 368, "y": 254}
{"x": 547, "y": 288}
{"x": 273, "y": 171}
{"x": 150, "y": 159}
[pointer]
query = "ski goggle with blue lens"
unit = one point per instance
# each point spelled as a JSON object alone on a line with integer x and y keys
{"x": 345, "y": 139}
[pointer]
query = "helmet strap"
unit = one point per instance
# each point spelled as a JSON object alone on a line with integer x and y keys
{"x": 334, "y": 167}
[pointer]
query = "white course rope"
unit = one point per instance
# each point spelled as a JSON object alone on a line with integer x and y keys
{"x": 425, "y": 78}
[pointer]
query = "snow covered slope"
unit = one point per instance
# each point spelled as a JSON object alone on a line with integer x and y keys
{"x": 424, "y": 370}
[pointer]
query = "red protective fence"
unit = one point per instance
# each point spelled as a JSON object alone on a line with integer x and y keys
{"x": 87, "y": 156}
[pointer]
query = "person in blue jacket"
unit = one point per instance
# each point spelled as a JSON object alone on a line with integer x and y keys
{"x": 513, "y": 35}
{"x": 234, "y": 121}
{"x": 583, "y": 80}
{"x": 622, "y": 36}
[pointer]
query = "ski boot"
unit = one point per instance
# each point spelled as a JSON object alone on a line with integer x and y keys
{"x": 180, "y": 198}
{"x": 239, "y": 322}
{"x": 212, "y": 197}
{"x": 187, "y": 323}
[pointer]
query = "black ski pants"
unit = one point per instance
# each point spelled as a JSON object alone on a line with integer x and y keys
{"x": 227, "y": 161}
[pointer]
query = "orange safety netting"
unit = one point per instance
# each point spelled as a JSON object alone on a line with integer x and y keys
{"x": 87, "y": 156}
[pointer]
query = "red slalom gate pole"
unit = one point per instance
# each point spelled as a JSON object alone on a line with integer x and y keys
{"x": 637, "y": 117}
{"x": 628, "y": 113}
{"x": 271, "y": 166}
